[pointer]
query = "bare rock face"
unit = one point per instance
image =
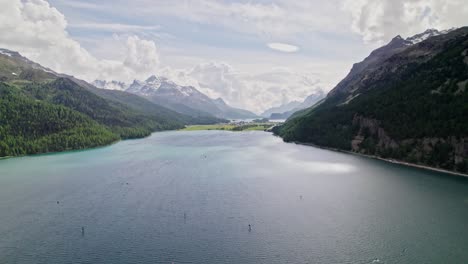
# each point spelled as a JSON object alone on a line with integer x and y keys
{"x": 372, "y": 139}
{"x": 465, "y": 55}
{"x": 371, "y": 128}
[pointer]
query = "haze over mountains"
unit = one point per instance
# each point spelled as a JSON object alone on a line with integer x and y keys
{"x": 286, "y": 110}
{"x": 183, "y": 99}
{"x": 406, "y": 101}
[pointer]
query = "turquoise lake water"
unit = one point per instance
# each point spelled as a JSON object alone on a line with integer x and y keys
{"x": 188, "y": 197}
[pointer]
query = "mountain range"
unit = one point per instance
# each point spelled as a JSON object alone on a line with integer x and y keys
{"x": 286, "y": 110}
{"x": 182, "y": 99}
{"x": 407, "y": 101}
{"x": 44, "y": 111}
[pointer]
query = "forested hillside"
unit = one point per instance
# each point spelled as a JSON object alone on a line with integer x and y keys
{"x": 162, "y": 113}
{"x": 43, "y": 111}
{"x": 412, "y": 107}
{"x": 30, "y": 126}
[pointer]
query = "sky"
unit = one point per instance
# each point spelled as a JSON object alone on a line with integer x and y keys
{"x": 254, "y": 54}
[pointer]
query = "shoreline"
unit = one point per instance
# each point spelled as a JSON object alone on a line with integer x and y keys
{"x": 63, "y": 151}
{"x": 393, "y": 161}
{"x": 404, "y": 163}
{"x": 83, "y": 149}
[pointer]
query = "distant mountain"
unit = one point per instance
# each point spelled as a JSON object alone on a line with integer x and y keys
{"x": 406, "y": 101}
{"x": 294, "y": 106}
{"x": 184, "y": 99}
{"x": 312, "y": 99}
{"x": 43, "y": 111}
{"x": 232, "y": 112}
{"x": 289, "y": 106}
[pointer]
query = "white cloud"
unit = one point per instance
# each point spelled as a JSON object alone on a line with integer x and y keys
{"x": 382, "y": 20}
{"x": 113, "y": 27}
{"x": 80, "y": 4}
{"x": 283, "y": 47}
{"x": 255, "y": 92}
{"x": 38, "y": 31}
{"x": 266, "y": 19}
{"x": 142, "y": 55}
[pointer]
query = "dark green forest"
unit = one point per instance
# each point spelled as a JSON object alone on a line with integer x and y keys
{"x": 57, "y": 115}
{"x": 422, "y": 100}
{"x": 42, "y": 111}
{"x": 30, "y": 126}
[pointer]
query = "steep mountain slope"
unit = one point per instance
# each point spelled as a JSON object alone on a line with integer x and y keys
{"x": 145, "y": 106}
{"x": 80, "y": 115}
{"x": 230, "y": 112}
{"x": 172, "y": 95}
{"x": 183, "y": 99}
{"x": 411, "y": 106}
{"x": 383, "y": 58}
{"x": 30, "y": 126}
{"x": 124, "y": 121}
{"x": 13, "y": 66}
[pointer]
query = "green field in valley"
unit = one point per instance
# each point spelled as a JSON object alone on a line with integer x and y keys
{"x": 231, "y": 127}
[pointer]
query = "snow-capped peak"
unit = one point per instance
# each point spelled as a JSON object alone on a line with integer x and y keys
{"x": 153, "y": 79}
{"x": 220, "y": 101}
{"x": 6, "y": 52}
{"x": 427, "y": 34}
{"x": 169, "y": 86}
{"x": 151, "y": 86}
{"x": 137, "y": 82}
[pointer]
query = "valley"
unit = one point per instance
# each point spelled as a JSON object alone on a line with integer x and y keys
{"x": 233, "y": 126}
{"x": 369, "y": 112}
{"x": 233, "y": 132}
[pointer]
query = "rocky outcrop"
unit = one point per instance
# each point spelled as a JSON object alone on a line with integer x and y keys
{"x": 372, "y": 139}
{"x": 371, "y": 128}
{"x": 465, "y": 56}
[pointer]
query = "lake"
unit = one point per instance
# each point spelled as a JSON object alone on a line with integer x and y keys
{"x": 189, "y": 197}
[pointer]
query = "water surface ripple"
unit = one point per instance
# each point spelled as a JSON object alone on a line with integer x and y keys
{"x": 188, "y": 197}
